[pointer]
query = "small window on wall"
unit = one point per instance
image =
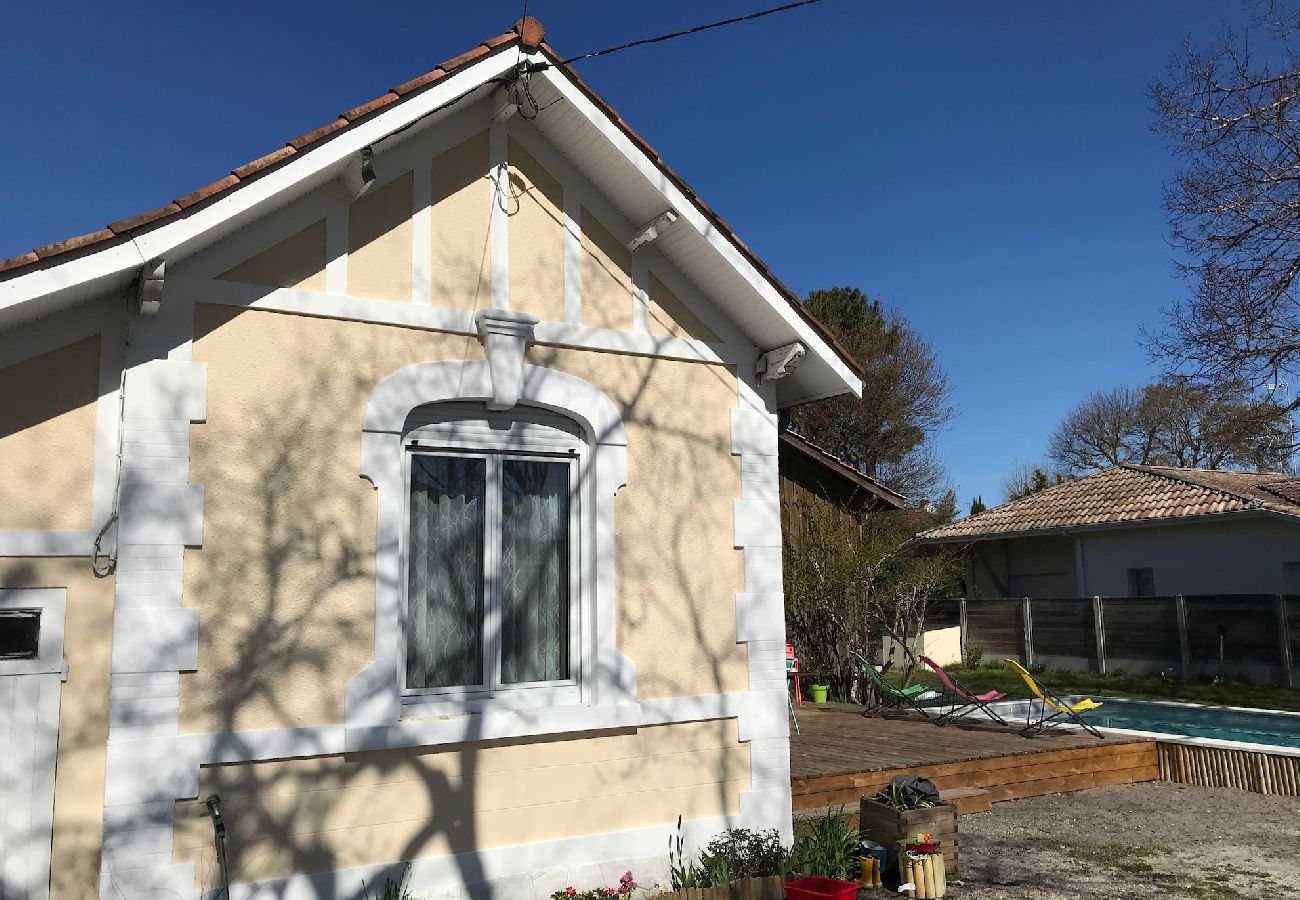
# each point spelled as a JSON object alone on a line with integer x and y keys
{"x": 20, "y": 632}
{"x": 1141, "y": 582}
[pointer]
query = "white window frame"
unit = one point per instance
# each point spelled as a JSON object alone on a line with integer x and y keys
{"x": 49, "y": 654}
{"x": 429, "y": 441}
{"x": 375, "y": 714}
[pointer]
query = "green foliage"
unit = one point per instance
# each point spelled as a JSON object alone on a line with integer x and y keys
{"x": 904, "y": 395}
{"x": 892, "y": 796}
{"x": 974, "y": 656}
{"x": 393, "y": 889}
{"x": 977, "y": 506}
{"x": 826, "y": 846}
{"x": 741, "y": 853}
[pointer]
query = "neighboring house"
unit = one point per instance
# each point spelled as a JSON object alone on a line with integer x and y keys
{"x": 446, "y": 525}
{"x": 1137, "y": 531}
{"x": 815, "y": 479}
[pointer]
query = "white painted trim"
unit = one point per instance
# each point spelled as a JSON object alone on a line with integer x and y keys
{"x": 336, "y": 250}
{"x": 499, "y": 217}
{"x": 422, "y": 234}
{"x": 572, "y": 256}
{"x": 454, "y": 321}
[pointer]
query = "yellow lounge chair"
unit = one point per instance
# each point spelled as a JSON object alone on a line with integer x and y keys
{"x": 1064, "y": 711}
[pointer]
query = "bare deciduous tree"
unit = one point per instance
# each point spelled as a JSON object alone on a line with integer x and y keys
{"x": 1174, "y": 422}
{"x": 1233, "y": 118}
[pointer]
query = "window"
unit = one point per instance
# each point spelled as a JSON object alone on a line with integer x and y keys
{"x": 491, "y": 555}
{"x": 20, "y": 631}
{"x": 1141, "y": 583}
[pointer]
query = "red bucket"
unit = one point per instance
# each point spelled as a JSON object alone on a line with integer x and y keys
{"x": 815, "y": 888}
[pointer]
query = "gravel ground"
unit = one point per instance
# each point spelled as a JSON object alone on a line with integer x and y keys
{"x": 1142, "y": 840}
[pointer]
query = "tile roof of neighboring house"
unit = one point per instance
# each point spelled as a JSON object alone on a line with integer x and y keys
{"x": 528, "y": 32}
{"x": 1129, "y": 494}
{"x": 840, "y": 468}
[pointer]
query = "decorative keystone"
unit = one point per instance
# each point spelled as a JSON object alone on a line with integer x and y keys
{"x": 505, "y": 335}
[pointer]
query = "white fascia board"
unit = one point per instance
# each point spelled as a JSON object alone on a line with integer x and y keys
{"x": 691, "y": 214}
{"x": 245, "y": 200}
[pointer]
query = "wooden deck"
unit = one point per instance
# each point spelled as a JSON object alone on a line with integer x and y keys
{"x": 839, "y": 756}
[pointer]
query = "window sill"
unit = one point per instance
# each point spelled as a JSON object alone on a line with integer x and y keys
{"x": 492, "y": 723}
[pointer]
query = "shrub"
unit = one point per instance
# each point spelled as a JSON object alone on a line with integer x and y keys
{"x": 974, "y": 656}
{"x": 740, "y": 853}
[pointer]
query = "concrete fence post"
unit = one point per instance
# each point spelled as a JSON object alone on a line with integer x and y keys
{"x": 1184, "y": 648}
{"x": 1099, "y": 630}
{"x": 1029, "y": 631}
{"x": 1284, "y": 636}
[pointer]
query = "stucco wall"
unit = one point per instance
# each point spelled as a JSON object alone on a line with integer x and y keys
{"x": 285, "y": 578}
{"x": 461, "y": 268}
{"x": 322, "y": 814}
{"x": 47, "y": 438}
{"x": 1025, "y": 567}
{"x": 606, "y": 277}
{"x": 83, "y": 717}
{"x": 670, "y": 317}
{"x": 298, "y": 261}
{"x": 535, "y": 209}
{"x": 1242, "y": 556}
{"x": 379, "y": 242}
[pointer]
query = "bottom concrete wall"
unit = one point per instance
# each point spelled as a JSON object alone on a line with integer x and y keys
{"x": 297, "y": 817}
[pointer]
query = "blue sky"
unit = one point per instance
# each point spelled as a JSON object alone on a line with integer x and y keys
{"x": 987, "y": 168}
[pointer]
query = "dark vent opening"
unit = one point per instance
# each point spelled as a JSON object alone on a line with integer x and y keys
{"x": 20, "y": 633}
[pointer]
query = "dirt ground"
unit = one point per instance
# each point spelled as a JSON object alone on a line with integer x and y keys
{"x": 1141, "y": 840}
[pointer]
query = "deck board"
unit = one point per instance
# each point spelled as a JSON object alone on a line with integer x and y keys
{"x": 840, "y": 755}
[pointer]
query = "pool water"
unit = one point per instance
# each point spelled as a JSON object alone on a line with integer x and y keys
{"x": 1219, "y": 723}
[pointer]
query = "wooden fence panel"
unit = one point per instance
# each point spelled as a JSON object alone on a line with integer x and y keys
{"x": 1063, "y": 629}
{"x": 1141, "y": 629}
{"x": 1249, "y": 630}
{"x": 997, "y": 627}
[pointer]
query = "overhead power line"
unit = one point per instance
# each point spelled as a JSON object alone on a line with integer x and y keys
{"x": 696, "y": 30}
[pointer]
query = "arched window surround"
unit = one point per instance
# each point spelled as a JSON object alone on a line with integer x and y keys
{"x": 374, "y": 695}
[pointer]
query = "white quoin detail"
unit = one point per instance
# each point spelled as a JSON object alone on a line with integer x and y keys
{"x": 652, "y": 229}
{"x": 778, "y": 363}
{"x": 151, "y": 287}
{"x": 505, "y": 335}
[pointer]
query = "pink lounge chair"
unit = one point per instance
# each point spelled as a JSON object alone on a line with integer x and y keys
{"x": 969, "y": 702}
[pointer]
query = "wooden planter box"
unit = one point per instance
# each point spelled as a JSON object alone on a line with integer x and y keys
{"x": 770, "y": 888}
{"x": 887, "y": 826}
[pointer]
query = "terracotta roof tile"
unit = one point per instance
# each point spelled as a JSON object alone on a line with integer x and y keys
{"x": 464, "y": 59}
{"x": 14, "y": 262}
{"x": 1129, "y": 493}
{"x": 207, "y": 191}
{"x": 493, "y": 43}
{"x": 418, "y": 82}
{"x": 73, "y": 243}
{"x": 531, "y": 32}
{"x": 249, "y": 169}
{"x": 139, "y": 220}
{"x": 317, "y": 134}
{"x": 367, "y": 108}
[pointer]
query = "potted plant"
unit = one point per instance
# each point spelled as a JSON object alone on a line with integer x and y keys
{"x": 908, "y": 806}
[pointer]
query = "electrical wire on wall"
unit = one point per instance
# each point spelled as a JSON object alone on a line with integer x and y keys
{"x": 104, "y": 568}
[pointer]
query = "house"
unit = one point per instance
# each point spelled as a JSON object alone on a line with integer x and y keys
{"x": 1137, "y": 531}
{"x": 812, "y": 478}
{"x": 407, "y": 495}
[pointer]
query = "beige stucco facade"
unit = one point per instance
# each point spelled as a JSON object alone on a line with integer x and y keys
{"x": 245, "y": 405}
{"x": 47, "y": 438}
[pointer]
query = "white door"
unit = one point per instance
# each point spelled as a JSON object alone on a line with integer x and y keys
{"x": 31, "y": 667}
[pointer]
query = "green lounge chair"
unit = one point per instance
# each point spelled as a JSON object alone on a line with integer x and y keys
{"x": 889, "y": 696}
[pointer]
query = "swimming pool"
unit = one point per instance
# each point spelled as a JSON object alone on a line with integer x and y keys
{"x": 1219, "y": 723}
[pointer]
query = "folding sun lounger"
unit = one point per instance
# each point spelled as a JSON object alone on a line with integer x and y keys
{"x": 969, "y": 702}
{"x": 1065, "y": 712}
{"x": 887, "y": 695}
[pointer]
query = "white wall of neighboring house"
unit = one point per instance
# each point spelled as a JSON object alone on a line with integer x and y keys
{"x": 1240, "y": 555}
